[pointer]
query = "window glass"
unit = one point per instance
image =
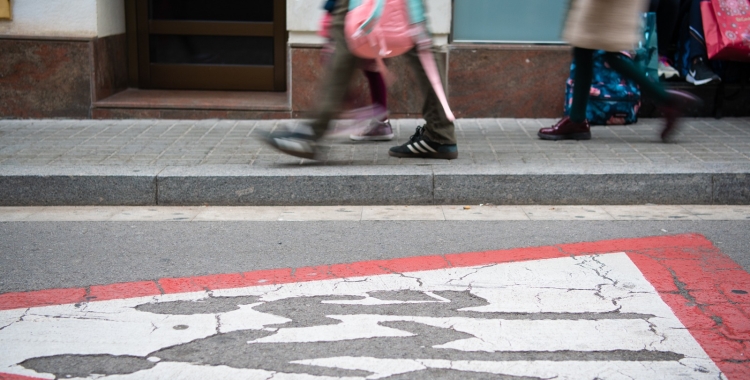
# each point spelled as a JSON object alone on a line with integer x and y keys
{"x": 512, "y": 21}
{"x": 211, "y": 50}
{"x": 214, "y": 10}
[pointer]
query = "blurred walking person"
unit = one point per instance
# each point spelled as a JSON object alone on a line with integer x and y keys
{"x": 612, "y": 26}
{"x": 379, "y": 127}
{"x": 436, "y": 139}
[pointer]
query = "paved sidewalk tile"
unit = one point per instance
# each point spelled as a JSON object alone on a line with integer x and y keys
{"x": 481, "y": 141}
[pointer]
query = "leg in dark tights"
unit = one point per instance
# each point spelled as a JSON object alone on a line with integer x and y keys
{"x": 584, "y": 59}
{"x": 621, "y": 64}
{"x": 378, "y": 90}
{"x": 628, "y": 69}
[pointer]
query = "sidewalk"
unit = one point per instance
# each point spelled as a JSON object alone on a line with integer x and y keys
{"x": 501, "y": 161}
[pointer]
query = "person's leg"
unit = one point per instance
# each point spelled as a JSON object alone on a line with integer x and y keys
{"x": 699, "y": 71}
{"x": 697, "y": 42}
{"x": 437, "y": 128}
{"x": 622, "y": 64}
{"x": 584, "y": 59}
{"x": 671, "y": 103}
{"x": 302, "y": 143}
{"x": 380, "y": 128}
{"x": 378, "y": 90}
{"x": 437, "y": 139}
{"x": 575, "y": 126}
{"x": 667, "y": 16}
{"x": 338, "y": 75}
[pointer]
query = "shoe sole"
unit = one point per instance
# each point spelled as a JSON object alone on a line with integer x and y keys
{"x": 295, "y": 153}
{"x": 372, "y": 138}
{"x": 692, "y": 80}
{"x": 572, "y": 136}
{"x": 444, "y": 156}
{"x": 309, "y": 156}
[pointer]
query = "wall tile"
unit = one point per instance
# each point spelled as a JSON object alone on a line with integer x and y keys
{"x": 40, "y": 79}
{"x": 502, "y": 81}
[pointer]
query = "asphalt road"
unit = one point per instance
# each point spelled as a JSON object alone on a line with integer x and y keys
{"x": 567, "y": 318}
{"x": 42, "y": 255}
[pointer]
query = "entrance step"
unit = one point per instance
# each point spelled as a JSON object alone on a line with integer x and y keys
{"x": 179, "y": 104}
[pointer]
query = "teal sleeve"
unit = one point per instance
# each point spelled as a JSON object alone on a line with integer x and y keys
{"x": 416, "y": 11}
{"x": 376, "y": 13}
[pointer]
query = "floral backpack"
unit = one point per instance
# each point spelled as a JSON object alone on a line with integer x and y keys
{"x": 613, "y": 100}
{"x": 377, "y": 29}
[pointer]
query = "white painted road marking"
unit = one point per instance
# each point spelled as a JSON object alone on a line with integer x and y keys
{"x": 586, "y": 304}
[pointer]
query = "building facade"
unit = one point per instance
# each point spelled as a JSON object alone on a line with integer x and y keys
{"x": 260, "y": 59}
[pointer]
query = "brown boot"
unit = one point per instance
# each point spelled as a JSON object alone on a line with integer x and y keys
{"x": 678, "y": 103}
{"x": 566, "y": 129}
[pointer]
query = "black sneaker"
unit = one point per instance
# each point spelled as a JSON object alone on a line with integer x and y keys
{"x": 420, "y": 146}
{"x": 700, "y": 73}
{"x": 293, "y": 143}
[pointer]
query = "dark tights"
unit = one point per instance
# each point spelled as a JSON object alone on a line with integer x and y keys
{"x": 584, "y": 59}
{"x": 378, "y": 90}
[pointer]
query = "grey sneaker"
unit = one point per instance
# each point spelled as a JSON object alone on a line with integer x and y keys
{"x": 377, "y": 131}
{"x": 293, "y": 143}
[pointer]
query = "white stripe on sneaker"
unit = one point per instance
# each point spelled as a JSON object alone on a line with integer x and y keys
{"x": 411, "y": 148}
{"x": 424, "y": 144}
{"x": 419, "y": 148}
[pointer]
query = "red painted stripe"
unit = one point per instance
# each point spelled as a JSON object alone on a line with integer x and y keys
{"x": 686, "y": 243}
{"x": 120, "y": 291}
{"x": 41, "y": 298}
{"x": 709, "y": 293}
{"x": 9, "y": 376}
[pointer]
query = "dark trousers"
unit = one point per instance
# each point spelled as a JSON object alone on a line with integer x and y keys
{"x": 667, "y": 16}
{"x": 690, "y": 41}
{"x": 339, "y": 74}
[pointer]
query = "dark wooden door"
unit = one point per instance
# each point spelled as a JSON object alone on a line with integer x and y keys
{"x": 208, "y": 45}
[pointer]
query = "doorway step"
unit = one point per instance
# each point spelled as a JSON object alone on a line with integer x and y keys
{"x": 179, "y": 104}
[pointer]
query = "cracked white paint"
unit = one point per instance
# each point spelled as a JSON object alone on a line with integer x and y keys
{"x": 246, "y": 318}
{"x": 187, "y": 371}
{"x": 379, "y": 367}
{"x": 559, "y": 370}
{"x": 352, "y": 327}
{"x": 590, "y": 284}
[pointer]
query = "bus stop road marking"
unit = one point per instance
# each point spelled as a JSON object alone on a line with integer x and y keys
{"x": 669, "y": 306}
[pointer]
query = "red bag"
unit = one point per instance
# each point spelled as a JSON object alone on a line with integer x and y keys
{"x": 726, "y": 26}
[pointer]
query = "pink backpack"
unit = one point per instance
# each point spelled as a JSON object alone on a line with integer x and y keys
{"x": 390, "y": 35}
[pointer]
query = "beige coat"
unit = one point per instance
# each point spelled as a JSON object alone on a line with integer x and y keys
{"x": 611, "y": 25}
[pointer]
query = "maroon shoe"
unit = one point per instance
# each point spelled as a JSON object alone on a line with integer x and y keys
{"x": 678, "y": 103}
{"x": 566, "y": 129}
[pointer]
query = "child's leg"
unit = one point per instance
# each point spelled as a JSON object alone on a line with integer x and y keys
{"x": 378, "y": 90}
{"x": 630, "y": 70}
{"x": 584, "y": 59}
{"x": 338, "y": 74}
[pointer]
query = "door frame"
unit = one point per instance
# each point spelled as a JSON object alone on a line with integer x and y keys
{"x": 144, "y": 74}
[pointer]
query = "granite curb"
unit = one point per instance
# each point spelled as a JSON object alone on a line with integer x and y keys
{"x": 309, "y": 185}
